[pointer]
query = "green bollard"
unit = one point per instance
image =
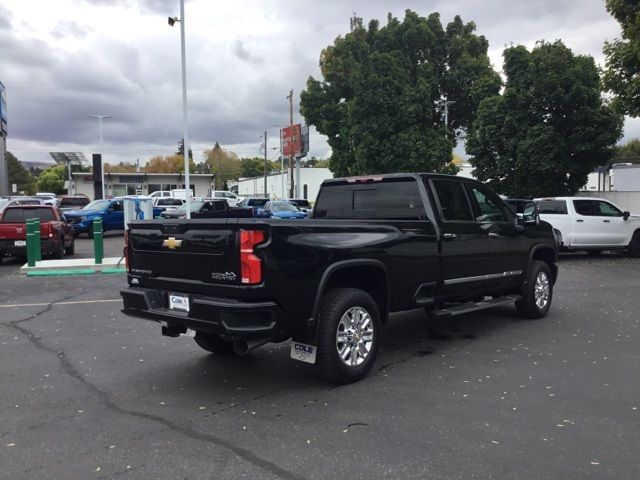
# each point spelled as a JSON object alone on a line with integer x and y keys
{"x": 31, "y": 261}
{"x": 98, "y": 242}
{"x": 37, "y": 241}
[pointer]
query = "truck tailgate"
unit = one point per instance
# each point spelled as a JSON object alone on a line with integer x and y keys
{"x": 194, "y": 250}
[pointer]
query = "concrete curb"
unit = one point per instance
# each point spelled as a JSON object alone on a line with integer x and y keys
{"x": 75, "y": 266}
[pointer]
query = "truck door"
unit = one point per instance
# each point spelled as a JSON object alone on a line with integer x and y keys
{"x": 508, "y": 250}
{"x": 612, "y": 223}
{"x": 588, "y": 229}
{"x": 464, "y": 243}
{"x": 114, "y": 218}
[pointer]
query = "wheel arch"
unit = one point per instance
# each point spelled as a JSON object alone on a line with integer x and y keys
{"x": 366, "y": 274}
{"x": 547, "y": 254}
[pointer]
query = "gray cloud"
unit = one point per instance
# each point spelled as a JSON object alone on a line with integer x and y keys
{"x": 5, "y": 18}
{"x": 68, "y": 28}
{"x": 243, "y": 53}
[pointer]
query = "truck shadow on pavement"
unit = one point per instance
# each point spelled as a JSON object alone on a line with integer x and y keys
{"x": 408, "y": 335}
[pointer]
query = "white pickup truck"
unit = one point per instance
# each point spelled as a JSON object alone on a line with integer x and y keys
{"x": 591, "y": 224}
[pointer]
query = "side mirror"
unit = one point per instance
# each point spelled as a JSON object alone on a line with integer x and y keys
{"x": 626, "y": 215}
{"x": 530, "y": 214}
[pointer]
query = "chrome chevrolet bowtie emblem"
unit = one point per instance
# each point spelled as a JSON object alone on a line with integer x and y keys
{"x": 172, "y": 243}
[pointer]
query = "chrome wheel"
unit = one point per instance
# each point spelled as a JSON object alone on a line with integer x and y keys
{"x": 541, "y": 290}
{"x": 354, "y": 336}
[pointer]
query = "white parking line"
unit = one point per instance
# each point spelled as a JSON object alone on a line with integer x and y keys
{"x": 58, "y": 303}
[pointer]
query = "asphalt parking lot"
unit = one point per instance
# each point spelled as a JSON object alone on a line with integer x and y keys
{"x": 86, "y": 392}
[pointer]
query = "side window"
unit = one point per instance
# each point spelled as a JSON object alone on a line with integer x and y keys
{"x": 605, "y": 209}
{"x": 452, "y": 198}
{"x": 117, "y": 206}
{"x": 486, "y": 207}
{"x": 584, "y": 207}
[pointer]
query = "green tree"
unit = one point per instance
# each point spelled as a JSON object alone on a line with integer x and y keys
{"x": 253, "y": 167}
{"x": 19, "y": 175}
{"x": 180, "y": 150}
{"x": 52, "y": 180}
{"x": 381, "y": 100}
{"x": 627, "y": 153}
{"x": 167, "y": 164}
{"x": 548, "y": 129}
{"x": 622, "y": 74}
{"x": 224, "y": 164}
{"x": 120, "y": 167}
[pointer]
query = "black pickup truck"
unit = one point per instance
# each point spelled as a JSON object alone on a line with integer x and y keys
{"x": 372, "y": 245}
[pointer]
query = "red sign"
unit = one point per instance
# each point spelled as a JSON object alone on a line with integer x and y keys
{"x": 290, "y": 140}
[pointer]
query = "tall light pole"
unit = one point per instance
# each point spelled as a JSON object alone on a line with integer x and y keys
{"x": 100, "y": 118}
{"x": 185, "y": 144}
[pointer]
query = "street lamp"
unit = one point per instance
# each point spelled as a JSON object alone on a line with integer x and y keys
{"x": 100, "y": 118}
{"x": 185, "y": 145}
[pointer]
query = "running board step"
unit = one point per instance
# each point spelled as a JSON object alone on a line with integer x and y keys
{"x": 474, "y": 306}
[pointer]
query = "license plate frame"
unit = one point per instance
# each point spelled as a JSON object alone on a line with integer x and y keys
{"x": 178, "y": 302}
{"x": 20, "y": 243}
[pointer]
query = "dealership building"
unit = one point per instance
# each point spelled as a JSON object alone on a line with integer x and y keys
{"x": 119, "y": 184}
{"x": 278, "y": 184}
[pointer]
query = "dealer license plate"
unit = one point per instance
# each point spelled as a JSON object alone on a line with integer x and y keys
{"x": 20, "y": 243}
{"x": 178, "y": 302}
{"x": 303, "y": 352}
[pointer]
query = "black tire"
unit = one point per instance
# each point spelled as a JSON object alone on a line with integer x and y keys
{"x": 214, "y": 344}
{"x": 530, "y": 305}
{"x": 634, "y": 245}
{"x": 71, "y": 249}
{"x": 1, "y": 256}
{"x": 336, "y": 304}
{"x": 90, "y": 231}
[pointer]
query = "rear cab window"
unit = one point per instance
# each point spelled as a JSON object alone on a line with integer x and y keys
{"x": 392, "y": 198}
{"x": 21, "y": 215}
{"x": 552, "y": 207}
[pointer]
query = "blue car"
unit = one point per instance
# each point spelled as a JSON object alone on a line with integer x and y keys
{"x": 281, "y": 209}
{"x": 110, "y": 210}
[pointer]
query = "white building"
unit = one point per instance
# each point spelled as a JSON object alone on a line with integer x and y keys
{"x": 278, "y": 184}
{"x": 118, "y": 184}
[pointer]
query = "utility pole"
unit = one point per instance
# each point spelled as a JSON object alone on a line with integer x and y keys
{"x": 290, "y": 97}
{"x": 219, "y": 182}
{"x": 185, "y": 120}
{"x": 266, "y": 194}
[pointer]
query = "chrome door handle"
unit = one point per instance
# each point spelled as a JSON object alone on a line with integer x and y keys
{"x": 579, "y": 221}
{"x": 606, "y": 221}
{"x": 494, "y": 235}
{"x": 449, "y": 236}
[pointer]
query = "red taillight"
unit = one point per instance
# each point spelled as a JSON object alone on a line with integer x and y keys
{"x": 126, "y": 249}
{"x": 250, "y": 264}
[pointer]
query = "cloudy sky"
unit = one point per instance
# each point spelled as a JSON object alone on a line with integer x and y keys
{"x": 64, "y": 60}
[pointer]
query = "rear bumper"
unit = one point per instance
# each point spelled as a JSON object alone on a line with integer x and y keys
{"x": 9, "y": 247}
{"x": 222, "y": 316}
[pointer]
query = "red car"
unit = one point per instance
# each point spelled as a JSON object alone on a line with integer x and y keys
{"x": 56, "y": 236}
